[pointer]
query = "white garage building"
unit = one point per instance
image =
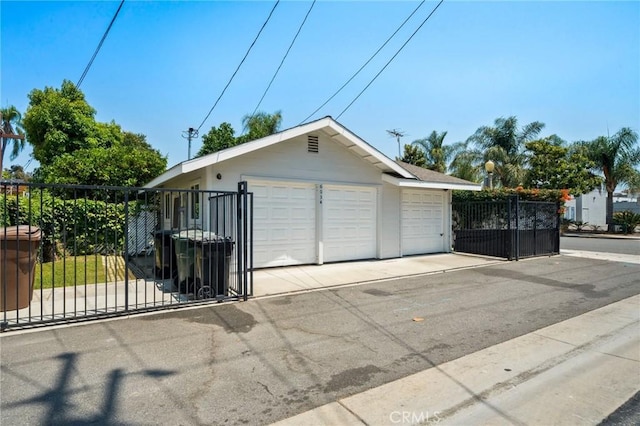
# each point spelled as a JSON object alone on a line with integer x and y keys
{"x": 322, "y": 194}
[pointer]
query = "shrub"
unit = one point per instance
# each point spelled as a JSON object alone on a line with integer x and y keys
{"x": 580, "y": 225}
{"x": 75, "y": 227}
{"x": 502, "y": 194}
{"x": 628, "y": 220}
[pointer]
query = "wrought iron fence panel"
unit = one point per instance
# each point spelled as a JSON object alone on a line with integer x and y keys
{"x": 509, "y": 229}
{"x": 76, "y": 252}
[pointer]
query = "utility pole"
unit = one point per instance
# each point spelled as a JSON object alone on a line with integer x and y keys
{"x": 397, "y": 134}
{"x": 189, "y": 135}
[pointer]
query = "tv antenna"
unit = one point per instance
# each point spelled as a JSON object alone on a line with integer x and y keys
{"x": 397, "y": 134}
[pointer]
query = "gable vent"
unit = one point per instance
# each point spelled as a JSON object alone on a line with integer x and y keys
{"x": 312, "y": 144}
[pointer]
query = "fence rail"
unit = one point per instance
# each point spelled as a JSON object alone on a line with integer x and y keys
{"x": 510, "y": 229}
{"x": 76, "y": 252}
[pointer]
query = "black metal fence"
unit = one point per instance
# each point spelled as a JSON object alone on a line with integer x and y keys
{"x": 71, "y": 253}
{"x": 510, "y": 229}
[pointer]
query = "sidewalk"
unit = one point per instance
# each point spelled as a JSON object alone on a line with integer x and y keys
{"x": 574, "y": 372}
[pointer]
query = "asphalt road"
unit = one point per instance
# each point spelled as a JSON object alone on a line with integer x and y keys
{"x": 606, "y": 245}
{"x": 627, "y": 415}
{"x": 268, "y": 359}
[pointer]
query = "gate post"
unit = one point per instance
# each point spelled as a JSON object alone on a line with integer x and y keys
{"x": 556, "y": 234}
{"x": 242, "y": 238}
{"x": 126, "y": 251}
{"x": 517, "y": 227}
{"x": 509, "y": 233}
{"x": 535, "y": 229}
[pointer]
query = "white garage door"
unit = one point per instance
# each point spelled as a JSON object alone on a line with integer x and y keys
{"x": 422, "y": 222}
{"x": 348, "y": 223}
{"x": 284, "y": 223}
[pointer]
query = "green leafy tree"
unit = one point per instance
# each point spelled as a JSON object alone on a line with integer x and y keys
{"x": 11, "y": 125}
{"x": 73, "y": 148}
{"x": 16, "y": 172}
{"x": 436, "y": 153}
{"x": 59, "y": 121}
{"x": 634, "y": 184}
{"x": 503, "y": 143}
{"x": 616, "y": 157}
{"x": 553, "y": 166}
{"x": 217, "y": 139}
{"x": 128, "y": 162}
{"x": 413, "y": 155}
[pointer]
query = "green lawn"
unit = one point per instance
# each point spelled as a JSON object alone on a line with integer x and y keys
{"x": 79, "y": 270}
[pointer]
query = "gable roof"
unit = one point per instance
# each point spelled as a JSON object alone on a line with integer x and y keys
{"x": 328, "y": 125}
{"x": 397, "y": 173}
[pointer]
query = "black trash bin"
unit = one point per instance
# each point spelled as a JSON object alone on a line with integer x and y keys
{"x": 187, "y": 279}
{"x": 213, "y": 259}
{"x": 165, "y": 255}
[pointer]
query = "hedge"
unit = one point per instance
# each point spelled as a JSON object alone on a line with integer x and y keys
{"x": 502, "y": 194}
{"x": 75, "y": 227}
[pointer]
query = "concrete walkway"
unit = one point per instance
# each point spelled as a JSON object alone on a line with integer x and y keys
{"x": 574, "y": 372}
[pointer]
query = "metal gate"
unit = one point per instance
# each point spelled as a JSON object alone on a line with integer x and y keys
{"x": 73, "y": 253}
{"x": 510, "y": 229}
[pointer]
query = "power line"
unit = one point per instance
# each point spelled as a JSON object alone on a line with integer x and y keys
{"x": 390, "y": 60}
{"x": 95, "y": 53}
{"x": 240, "y": 64}
{"x": 366, "y": 63}
{"x": 285, "y": 57}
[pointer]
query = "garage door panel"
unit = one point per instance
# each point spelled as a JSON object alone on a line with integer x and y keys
{"x": 349, "y": 223}
{"x": 422, "y": 222}
{"x": 284, "y": 223}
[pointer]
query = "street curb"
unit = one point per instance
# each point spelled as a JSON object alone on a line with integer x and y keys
{"x": 603, "y": 236}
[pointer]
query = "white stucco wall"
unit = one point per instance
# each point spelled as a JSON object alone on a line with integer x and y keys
{"x": 592, "y": 208}
{"x": 290, "y": 160}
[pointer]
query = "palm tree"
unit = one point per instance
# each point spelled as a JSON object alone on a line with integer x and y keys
{"x": 466, "y": 163}
{"x": 616, "y": 157}
{"x": 504, "y": 145}
{"x": 11, "y": 131}
{"x": 436, "y": 153}
{"x": 260, "y": 125}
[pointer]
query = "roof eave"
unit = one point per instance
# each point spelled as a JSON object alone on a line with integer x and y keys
{"x": 411, "y": 183}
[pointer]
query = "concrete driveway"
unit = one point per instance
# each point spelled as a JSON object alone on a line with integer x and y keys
{"x": 273, "y": 281}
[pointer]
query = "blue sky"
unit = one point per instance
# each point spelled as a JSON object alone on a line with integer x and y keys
{"x": 572, "y": 65}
